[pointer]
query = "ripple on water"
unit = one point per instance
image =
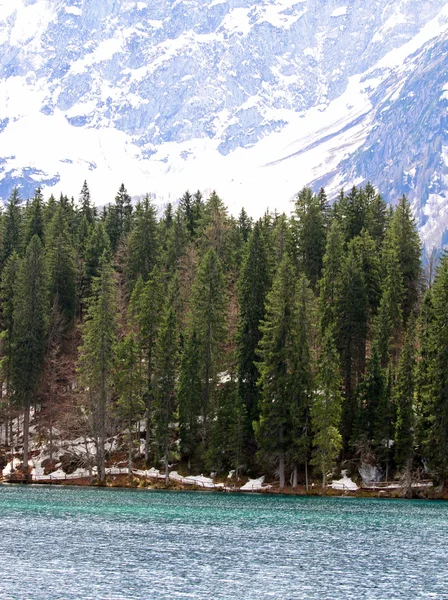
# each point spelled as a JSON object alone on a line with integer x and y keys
{"x": 83, "y": 543}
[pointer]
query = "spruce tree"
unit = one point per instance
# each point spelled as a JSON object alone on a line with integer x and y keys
{"x": 30, "y": 331}
{"x": 302, "y": 372}
{"x": 143, "y": 243}
{"x": 34, "y": 218}
{"x": 351, "y": 311}
{"x": 277, "y": 375}
{"x": 404, "y": 233}
{"x": 11, "y": 227}
{"x": 129, "y": 387}
{"x": 146, "y": 309}
{"x": 437, "y": 448}
{"x": 330, "y": 282}
{"x": 97, "y": 244}
{"x": 404, "y": 401}
{"x": 97, "y": 356}
{"x": 165, "y": 401}
{"x": 253, "y": 286}
{"x": 309, "y": 233}
{"x": 189, "y": 395}
{"x": 388, "y": 321}
{"x": 61, "y": 265}
{"x": 86, "y": 209}
{"x": 326, "y": 410}
{"x": 208, "y": 320}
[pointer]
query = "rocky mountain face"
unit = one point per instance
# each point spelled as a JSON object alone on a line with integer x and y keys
{"x": 253, "y": 98}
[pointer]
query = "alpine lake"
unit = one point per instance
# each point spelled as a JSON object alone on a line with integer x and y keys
{"x": 88, "y": 543}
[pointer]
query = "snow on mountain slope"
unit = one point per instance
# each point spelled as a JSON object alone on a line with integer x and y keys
{"x": 253, "y": 98}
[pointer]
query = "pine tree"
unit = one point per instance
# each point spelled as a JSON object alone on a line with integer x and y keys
{"x": 61, "y": 265}
{"x": 129, "y": 386}
{"x": 34, "y": 218}
{"x": 302, "y": 371}
{"x": 208, "y": 320}
{"x": 326, "y": 410}
{"x": 143, "y": 243}
{"x": 404, "y": 232}
{"x": 437, "y": 447}
{"x": 331, "y": 277}
{"x": 253, "y": 286}
{"x": 277, "y": 376}
{"x": 30, "y": 330}
{"x": 146, "y": 309}
{"x": 11, "y": 227}
{"x": 189, "y": 399}
{"x": 351, "y": 333}
{"x": 7, "y": 299}
{"x": 371, "y": 393}
{"x": 97, "y": 355}
{"x": 245, "y": 225}
{"x": 388, "y": 321}
{"x": 226, "y": 449}
{"x": 376, "y": 219}
{"x": 404, "y": 401}
{"x": 309, "y": 233}
{"x": 97, "y": 244}
{"x": 427, "y": 351}
{"x": 165, "y": 402}
{"x": 86, "y": 209}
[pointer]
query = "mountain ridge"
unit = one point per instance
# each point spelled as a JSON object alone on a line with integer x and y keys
{"x": 254, "y": 99}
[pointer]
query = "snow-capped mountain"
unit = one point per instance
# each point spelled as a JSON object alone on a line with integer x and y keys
{"x": 253, "y": 98}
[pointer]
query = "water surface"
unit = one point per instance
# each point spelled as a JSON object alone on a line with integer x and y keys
{"x": 84, "y": 543}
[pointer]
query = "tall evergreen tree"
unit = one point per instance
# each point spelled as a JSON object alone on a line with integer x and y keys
{"x": 189, "y": 395}
{"x": 30, "y": 331}
{"x": 61, "y": 265}
{"x": 326, "y": 410}
{"x": 437, "y": 447}
{"x": 404, "y": 401}
{"x": 330, "y": 282}
{"x": 146, "y": 308}
{"x": 11, "y": 227}
{"x": 276, "y": 366}
{"x": 129, "y": 386}
{"x": 309, "y": 234}
{"x": 351, "y": 333}
{"x": 403, "y": 230}
{"x": 254, "y": 284}
{"x": 86, "y": 209}
{"x": 97, "y": 356}
{"x": 34, "y": 218}
{"x": 143, "y": 243}
{"x": 165, "y": 401}
{"x": 208, "y": 319}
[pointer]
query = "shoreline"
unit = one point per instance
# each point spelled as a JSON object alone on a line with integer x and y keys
{"x": 122, "y": 482}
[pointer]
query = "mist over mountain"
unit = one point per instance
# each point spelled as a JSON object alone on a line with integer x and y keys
{"x": 255, "y": 99}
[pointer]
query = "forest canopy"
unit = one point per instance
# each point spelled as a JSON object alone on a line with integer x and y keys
{"x": 289, "y": 345}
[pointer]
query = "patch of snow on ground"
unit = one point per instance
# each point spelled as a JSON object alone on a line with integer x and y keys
{"x": 7, "y": 470}
{"x": 344, "y": 484}
{"x": 254, "y": 485}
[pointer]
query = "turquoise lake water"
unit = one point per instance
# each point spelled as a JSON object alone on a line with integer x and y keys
{"x": 64, "y": 543}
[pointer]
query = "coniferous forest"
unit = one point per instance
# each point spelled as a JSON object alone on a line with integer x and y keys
{"x": 288, "y": 346}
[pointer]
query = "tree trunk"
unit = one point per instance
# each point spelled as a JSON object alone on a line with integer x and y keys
{"x": 294, "y": 476}
{"x": 26, "y": 433}
{"x": 324, "y": 479}
{"x": 147, "y": 436}
{"x": 167, "y": 469}
{"x": 130, "y": 448}
{"x": 281, "y": 470}
{"x": 306, "y": 475}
